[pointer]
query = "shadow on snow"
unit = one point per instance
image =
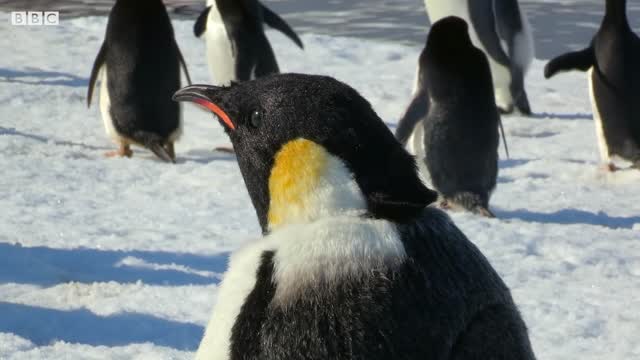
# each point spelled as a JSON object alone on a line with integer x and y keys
{"x": 46, "y": 266}
{"x": 44, "y": 326}
{"x": 34, "y": 76}
{"x": 570, "y": 216}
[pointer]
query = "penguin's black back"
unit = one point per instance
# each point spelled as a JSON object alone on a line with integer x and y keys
{"x": 461, "y": 128}
{"x": 444, "y": 302}
{"x": 143, "y": 68}
{"x": 616, "y": 81}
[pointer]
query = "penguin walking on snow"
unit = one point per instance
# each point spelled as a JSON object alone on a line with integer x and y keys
{"x": 353, "y": 263}
{"x": 453, "y": 120}
{"x": 503, "y": 32}
{"x": 612, "y": 60}
{"x": 140, "y": 65}
{"x": 237, "y": 47}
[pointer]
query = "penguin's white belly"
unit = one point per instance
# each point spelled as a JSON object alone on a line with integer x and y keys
{"x": 220, "y": 55}
{"x": 597, "y": 119}
{"x": 105, "y": 106}
{"x": 438, "y": 9}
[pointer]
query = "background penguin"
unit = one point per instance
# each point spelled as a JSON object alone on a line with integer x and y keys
{"x": 140, "y": 65}
{"x": 353, "y": 263}
{"x": 237, "y": 47}
{"x": 612, "y": 59}
{"x": 502, "y": 31}
{"x": 455, "y": 118}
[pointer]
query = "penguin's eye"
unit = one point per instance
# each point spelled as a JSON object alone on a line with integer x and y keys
{"x": 255, "y": 119}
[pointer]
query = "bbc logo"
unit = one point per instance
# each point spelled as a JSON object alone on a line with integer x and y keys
{"x": 35, "y": 18}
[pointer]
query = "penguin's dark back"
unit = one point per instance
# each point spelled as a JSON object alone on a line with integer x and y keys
{"x": 617, "y": 51}
{"x": 616, "y": 81}
{"x": 461, "y": 128}
{"x": 454, "y": 74}
{"x": 458, "y": 79}
{"x": 143, "y": 67}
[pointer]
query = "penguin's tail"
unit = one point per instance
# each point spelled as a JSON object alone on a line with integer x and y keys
{"x": 155, "y": 143}
{"x": 476, "y": 203}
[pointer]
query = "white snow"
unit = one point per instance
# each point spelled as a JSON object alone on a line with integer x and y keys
{"x": 120, "y": 258}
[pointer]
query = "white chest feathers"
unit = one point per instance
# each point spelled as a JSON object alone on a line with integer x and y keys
{"x": 318, "y": 237}
{"x": 325, "y": 252}
{"x": 221, "y": 55}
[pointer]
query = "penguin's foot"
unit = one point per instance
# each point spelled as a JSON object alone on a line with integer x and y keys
{"x": 483, "y": 211}
{"x": 522, "y": 104}
{"x": 609, "y": 167}
{"x": 444, "y": 204}
{"x": 225, "y": 149}
{"x": 123, "y": 151}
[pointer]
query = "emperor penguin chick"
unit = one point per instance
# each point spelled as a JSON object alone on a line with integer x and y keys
{"x": 353, "y": 263}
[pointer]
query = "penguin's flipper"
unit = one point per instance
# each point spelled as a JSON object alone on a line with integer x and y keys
{"x": 508, "y": 19}
{"x": 201, "y": 23}
{"x": 504, "y": 138}
{"x": 97, "y": 65}
{"x": 275, "y": 21}
{"x": 581, "y": 60}
{"x": 184, "y": 65}
{"x": 416, "y": 111}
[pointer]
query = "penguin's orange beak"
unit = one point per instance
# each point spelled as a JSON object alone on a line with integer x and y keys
{"x": 199, "y": 95}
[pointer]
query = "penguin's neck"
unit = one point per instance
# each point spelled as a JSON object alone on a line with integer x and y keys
{"x": 308, "y": 184}
{"x": 616, "y": 13}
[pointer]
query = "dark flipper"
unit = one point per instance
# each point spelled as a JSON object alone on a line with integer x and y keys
{"x": 275, "y": 21}
{"x": 184, "y": 65}
{"x": 201, "y": 23}
{"x": 504, "y": 138}
{"x": 581, "y": 60}
{"x": 97, "y": 65}
{"x": 416, "y": 111}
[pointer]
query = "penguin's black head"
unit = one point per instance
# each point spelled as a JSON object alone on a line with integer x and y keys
{"x": 310, "y": 146}
{"x": 449, "y": 34}
{"x": 453, "y": 66}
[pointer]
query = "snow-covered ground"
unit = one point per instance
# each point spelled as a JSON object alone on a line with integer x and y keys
{"x": 120, "y": 258}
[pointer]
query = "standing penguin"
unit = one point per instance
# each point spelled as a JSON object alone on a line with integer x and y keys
{"x": 612, "y": 60}
{"x": 237, "y": 47}
{"x": 502, "y": 31}
{"x": 454, "y": 118}
{"x": 140, "y": 65}
{"x": 353, "y": 263}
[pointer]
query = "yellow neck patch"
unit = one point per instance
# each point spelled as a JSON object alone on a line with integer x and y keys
{"x": 296, "y": 172}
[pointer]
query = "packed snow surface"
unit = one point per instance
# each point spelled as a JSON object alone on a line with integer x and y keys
{"x": 120, "y": 258}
